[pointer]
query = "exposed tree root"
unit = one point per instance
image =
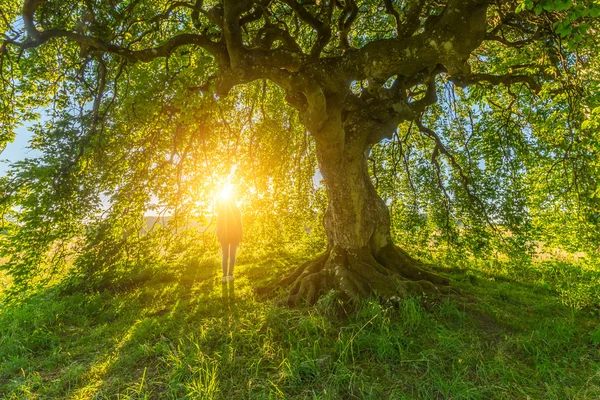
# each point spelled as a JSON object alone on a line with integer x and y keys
{"x": 389, "y": 273}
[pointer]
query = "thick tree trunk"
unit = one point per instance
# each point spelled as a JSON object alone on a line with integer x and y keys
{"x": 361, "y": 259}
{"x": 356, "y": 216}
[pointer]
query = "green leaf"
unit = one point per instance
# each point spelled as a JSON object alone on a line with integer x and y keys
{"x": 538, "y": 9}
{"x": 546, "y": 5}
{"x": 564, "y": 5}
{"x": 583, "y": 28}
{"x": 529, "y": 4}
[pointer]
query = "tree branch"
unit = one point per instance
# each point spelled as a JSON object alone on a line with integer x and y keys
{"x": 269, "y": 33}
{"x": 440, "y": 148}
{"x": 37, "y": 38}
{"x": 412, "y": 23}
{"x": 323, "y": 29}
{"x": 506, "y": 79}
{"x": 347, "y": 18}
{"x": 389, "y": 8}
{"x": 232, "y": 11}
{"x": 459, "y": 30}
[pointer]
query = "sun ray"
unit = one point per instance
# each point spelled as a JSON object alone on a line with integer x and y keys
{"x": 226, "y": 191}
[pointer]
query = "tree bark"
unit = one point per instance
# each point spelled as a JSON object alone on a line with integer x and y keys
{"x": 361, "y": 259}
{"x": 356, "y": 216}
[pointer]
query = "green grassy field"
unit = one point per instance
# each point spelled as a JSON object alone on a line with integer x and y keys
{"x": 527, "y": 332}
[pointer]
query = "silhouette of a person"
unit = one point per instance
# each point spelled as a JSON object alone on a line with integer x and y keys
{"x": 229, "y": 233}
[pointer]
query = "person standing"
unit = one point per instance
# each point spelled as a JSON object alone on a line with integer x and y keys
{"x": 229, "y": 233}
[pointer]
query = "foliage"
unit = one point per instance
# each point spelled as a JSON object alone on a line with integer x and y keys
{"x": 132, "y": 117}
{"x": 174, "y": 168}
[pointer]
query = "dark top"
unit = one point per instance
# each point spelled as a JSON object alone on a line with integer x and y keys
{"x": 229, "y": 222}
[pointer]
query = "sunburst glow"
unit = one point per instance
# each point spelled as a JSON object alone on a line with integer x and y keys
{"x": 226, "y": 191}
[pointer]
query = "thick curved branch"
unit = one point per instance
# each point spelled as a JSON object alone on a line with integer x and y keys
{"x": 146, "y": 55}
{"x": 460, "y": 29}
{"x": 390, "y": 9}
{"x": 302, "y": 92}
{"x": 256, "y": 14}
{"x": 268, "y": 34}
{"x": 379, "y": 111}
{"x": 29, "y": 7}
{"x": 323, "y": 29}
{"x": 304, "y": 14}
{"x": 392, "y": 106}
{"x": 38, "y": 38}
{"x": 412, "y": 16}
{"x": 347, "y": 18}
{"x": 430, "y": 97}
{"x": 232, "y": 11}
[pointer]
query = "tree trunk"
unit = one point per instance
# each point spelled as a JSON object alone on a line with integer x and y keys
{"x": 356, "y": 216}
{"x": 361, "y": 259}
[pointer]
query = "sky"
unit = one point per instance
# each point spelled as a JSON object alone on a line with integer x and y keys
{"x": 17, "y": 150}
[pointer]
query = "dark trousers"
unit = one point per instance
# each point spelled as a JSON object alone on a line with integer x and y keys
{"x": 228, "y": 252}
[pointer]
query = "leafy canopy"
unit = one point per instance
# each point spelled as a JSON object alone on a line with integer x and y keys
{"x": 485, "y": 116}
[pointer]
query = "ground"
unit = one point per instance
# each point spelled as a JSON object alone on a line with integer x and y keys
{"x": 531, "y": 333}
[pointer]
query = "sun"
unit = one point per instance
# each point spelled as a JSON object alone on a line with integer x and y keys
{"x": 226, "y": 191}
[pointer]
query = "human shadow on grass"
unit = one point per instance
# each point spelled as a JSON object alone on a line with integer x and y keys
{"x": 169, "y": 321}
{"x": 228, "y": 296}
{"x": 150, "y": 340}
{"x": 99, "y": 343}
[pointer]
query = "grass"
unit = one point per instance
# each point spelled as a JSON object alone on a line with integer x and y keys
{"x": 532, "y": 333}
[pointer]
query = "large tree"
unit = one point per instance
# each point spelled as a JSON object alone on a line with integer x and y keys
{"x": 353, "y": 70}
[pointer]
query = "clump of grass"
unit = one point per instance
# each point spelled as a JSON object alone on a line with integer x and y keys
{"x": 5, "y": 280}
{"x": 191, "y": 336}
